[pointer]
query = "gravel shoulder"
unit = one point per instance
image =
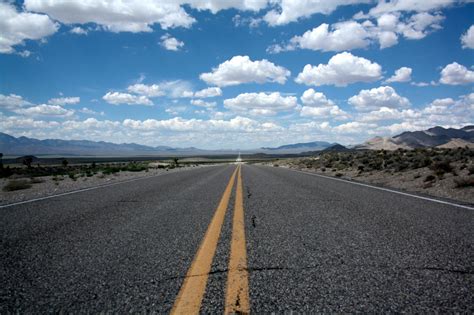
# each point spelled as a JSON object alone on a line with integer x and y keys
{"x": 410, "y": 181}
{"x": 49, "y": 185}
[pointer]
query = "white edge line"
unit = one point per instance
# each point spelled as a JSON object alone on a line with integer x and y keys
{"x": 82, "y": 190}
{"x": 385, "y": 189}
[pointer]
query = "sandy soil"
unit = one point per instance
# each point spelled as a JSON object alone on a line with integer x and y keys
{"x": 410, "y": 181}
{"x": 48, "y": 186}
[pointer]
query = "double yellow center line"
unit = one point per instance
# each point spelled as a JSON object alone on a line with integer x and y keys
{"x": 194, "y": 286}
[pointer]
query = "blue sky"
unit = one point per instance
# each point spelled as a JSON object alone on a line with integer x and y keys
{"x": 234, "y": 74}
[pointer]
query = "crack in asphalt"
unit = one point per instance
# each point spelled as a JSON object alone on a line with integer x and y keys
{"x": 273, "y": 268}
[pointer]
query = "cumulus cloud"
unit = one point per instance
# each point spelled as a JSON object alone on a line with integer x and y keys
{"x": 78, "y": 31}
{"x": 117, "y": 98}
{"x": 342, "y": 36}
{"x": 467, "y": 39}
{"x": 208, "y": 92}
{"x": 115, "y": 15}
{"x": 65, "y": 101}
{"x": 171, "y": 43}
{"x": 261, "y": 103}
{"x": 349, "y": 35}
{"x": 373, "y": 99}
{"x": 456, "y": 74}
{"x": 134, "y": 16}
{"x": 44, "y": 110}
{"x": 16, "y": 27}
{"x": 240, "y": 69}
{"x": 152, "y": 90}
{"x": 317, "y": 105}
{"x": 290, "y": 10}
{"x": 342, "y": 69}
{"x": 401, "y": 75}
{"x": 201, "y": 103}
{"x": 172, "y": 89}
{"x": 12, "y": 101}
{"x": 409, "y": 5}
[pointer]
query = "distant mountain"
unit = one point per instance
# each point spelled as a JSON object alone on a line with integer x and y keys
{"x": 24, "y": 146}
{"x": 10, "y": 145}
{"x": 299, "y": 147}
{"x": 433, "y": 137}
{"x": 336, "y": 148}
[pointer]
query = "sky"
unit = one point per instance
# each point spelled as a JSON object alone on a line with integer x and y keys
{"x": 234, "y": 74}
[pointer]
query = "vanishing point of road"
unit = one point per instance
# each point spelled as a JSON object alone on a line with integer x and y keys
{"x": 236, "y": 238}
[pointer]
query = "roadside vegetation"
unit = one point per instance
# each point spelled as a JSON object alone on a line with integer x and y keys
{"x": 26, "y": 173}
{"x": 431, "y": 169}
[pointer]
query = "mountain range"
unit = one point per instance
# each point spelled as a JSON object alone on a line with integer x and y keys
{"x": 10, "y": 145}
{"x": 433, "y": 137}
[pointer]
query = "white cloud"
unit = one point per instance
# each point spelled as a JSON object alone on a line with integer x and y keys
{"x": 217, "y": 5}
{"x": 78, "y": 31}
{"x": 456, "y": 74}
{"x": 134, "y": 16}
{"x": 153, "y": 90}
{"x": 171, "y": 43}
{"x": 24, "y": 53}
{"x": 349, "y": 35}
{"x": 240, "y": 69}
{"x": 467, "y": 39}
{"x": 261, "y": 103}
{"x": 64, "y": 101}
{"x": 16, "y": 27}
{"x": 237, "y": 124}
{"x": 373, "y": 99}
{"x": 115, "y": 15}
{"x": 386, "y": 113}
{"x": 117, "y": 98}
{"x": 341, "y": 70}
{"x": 291, "y": 10}
{"x": 172, "y": 89}
{"x": 89, "y": 111}
{"x": 409, "y": 5}
{"x": 208, "y": 92}
{"x": 401, "y": 75}
{"x": 13, "y": 101}
{"x": 45, "y": 110}
{"x": 420, "y": 25}
{"x": 204, "y": 104}
{"x": 312, "y": 98}
{"x": 317, "y": 105}
{"x": 342, "y": 36}
{"x": 354, "y": 127}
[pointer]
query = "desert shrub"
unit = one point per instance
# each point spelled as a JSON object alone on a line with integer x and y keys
{"x": 275, "y": 165}
{"x": 429, "y": 178}
{"x": 17, "y": 185}
{"x": 338, "y": 174}
{"x": 464, "y": 182}
{"x": 442, "y": 167}
{"x": 471, "y": 169}
{"x": 72, "y": 176}
{"x": 36, "y": 180}
{"x": 416, "y": 176}
{"x": 323, "y": 169}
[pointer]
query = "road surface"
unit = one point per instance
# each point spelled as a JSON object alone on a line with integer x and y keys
{"x": 236, "y": 238}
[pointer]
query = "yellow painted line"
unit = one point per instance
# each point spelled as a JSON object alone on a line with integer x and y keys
{"x": 237, "y": 296}
{"x": 192, "y": 291}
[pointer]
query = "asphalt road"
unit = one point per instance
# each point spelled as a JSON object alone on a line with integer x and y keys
{"x": 217, "y": 239}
